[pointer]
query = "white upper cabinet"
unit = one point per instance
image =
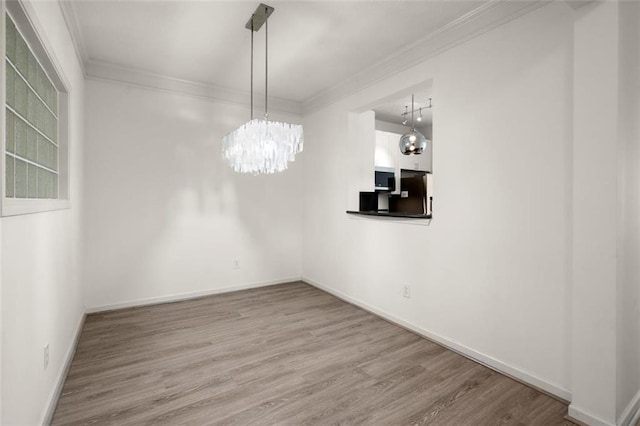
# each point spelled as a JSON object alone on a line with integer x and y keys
{"x": 385, "y": 155}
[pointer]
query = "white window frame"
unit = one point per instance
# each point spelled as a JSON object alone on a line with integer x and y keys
{"x": 32, "y": 32}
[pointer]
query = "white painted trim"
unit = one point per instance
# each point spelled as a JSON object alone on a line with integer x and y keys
{"x": 470, "y": 353}
{"x": 110, "y": 72}
{"x": 75, "y": 31}
{"x": 631, "y": 414}
{"x": 20, "y": 206}
{"x": 635, "y": 419}
{"x": 52, "y": 403}
{"x": 586, "y": 418}
{"x": 41, "y": 47}
{"x": 190, "y": 295}
{"x": 578, "y": 4}
{"x": 482, "y": 19}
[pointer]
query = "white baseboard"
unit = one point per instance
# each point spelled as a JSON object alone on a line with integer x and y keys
{"x": 185, "y": 296}
{"x": 635, "y": 420}
{"x": 52, "y": 403}
{"x": 580, "y": 416}
{"x": 486, "y": 360}
{"x": 631, "y": 414}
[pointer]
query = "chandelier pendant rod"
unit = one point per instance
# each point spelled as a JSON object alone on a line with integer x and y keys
{"x": 260, "y": 145}
{"x": 252, "y": 68}
{"x": 412, "y": 109}
{"x": 266, "y": 64}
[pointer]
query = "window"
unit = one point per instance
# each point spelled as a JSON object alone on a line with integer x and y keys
{"x": 31, "y": 123}
{"x": 36, "y": 113}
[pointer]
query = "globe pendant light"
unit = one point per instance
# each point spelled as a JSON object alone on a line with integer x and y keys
{"x": 262, "y": 145}
{"x": 412, "y": 142}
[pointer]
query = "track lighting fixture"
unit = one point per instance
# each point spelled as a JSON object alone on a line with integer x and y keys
{"x": 406, "y": 113}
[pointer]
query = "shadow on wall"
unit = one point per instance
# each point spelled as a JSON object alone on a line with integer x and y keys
{"x": 164, "y": 212}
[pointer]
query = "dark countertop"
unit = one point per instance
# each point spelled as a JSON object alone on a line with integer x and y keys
{"x": 390, "y": 214}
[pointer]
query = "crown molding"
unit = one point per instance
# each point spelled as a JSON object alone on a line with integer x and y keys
{"x": 485, "y": 17}
{"x": 97, "y": 70}
{"x": 75, "y": 31}
{"x": 480, "y": 20}
{"x": 578, "y": 4}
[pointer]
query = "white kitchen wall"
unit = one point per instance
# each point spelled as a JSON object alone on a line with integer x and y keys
{"x": 41, "y": 291}
{"x": 491, "y": 274}
{"x": 165, "y": 216}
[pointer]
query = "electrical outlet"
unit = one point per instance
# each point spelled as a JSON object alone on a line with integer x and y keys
{"x": 46, "y": 356}
{"x": 406, "y": 292}
{"x": 236, "y": 264}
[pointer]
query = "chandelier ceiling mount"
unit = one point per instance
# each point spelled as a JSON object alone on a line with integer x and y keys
{"x": 261, "y": 145}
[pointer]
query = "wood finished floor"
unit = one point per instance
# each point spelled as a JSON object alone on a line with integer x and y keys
{"x": 287, "y": 354}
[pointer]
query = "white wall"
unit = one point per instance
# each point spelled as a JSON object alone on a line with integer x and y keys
{"x": 606, "y": 285}
{"x": 594, "y": 213}
{"x": 491, "y": 273}
{"x": 41, "y": 292}
{"x": 165, "y": 215}
{"x": 628, "y": 242}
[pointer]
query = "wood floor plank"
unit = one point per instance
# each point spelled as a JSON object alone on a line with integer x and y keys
{"x": 286, "y": 354}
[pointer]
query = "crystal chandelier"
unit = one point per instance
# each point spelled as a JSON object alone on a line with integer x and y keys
{"x": 261, "y": 145}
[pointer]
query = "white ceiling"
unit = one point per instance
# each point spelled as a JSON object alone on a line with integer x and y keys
{"x": 313, "y": 45}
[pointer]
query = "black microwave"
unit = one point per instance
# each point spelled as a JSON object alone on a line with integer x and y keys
{"x": 385, "y": 179}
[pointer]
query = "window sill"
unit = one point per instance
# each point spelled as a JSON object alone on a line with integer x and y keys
{"x": 16, "y": 207}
